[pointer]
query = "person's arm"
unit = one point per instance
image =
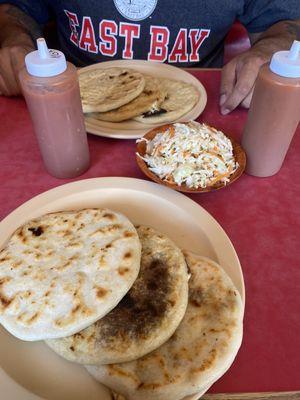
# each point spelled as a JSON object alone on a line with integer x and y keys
{"x": 238, "y": 76}
{"x": 17, "y": 35}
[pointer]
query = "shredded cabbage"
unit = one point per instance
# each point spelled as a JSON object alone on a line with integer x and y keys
{"x": 193, "y": 154}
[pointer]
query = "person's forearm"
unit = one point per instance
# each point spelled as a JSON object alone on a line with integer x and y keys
{"x": 17, "y": 27}
{"x": 279, "y": 36}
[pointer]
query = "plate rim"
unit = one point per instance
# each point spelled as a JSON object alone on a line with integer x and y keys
{"x": 122, "y": 182}
{"x": 118, "y": 182}
{"x": 135, "y": 133}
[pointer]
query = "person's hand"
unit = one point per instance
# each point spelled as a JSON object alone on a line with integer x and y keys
{"x": 238, "y": 78}
{"x": 11, "y": 62}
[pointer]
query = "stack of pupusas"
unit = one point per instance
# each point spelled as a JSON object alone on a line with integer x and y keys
{"x": 119, "y": 94}
{"x": 146, "y": 319}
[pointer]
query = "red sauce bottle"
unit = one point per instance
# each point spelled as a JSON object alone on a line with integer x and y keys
{"x": 274, "y": 113}
{"x": 51, "y": 90}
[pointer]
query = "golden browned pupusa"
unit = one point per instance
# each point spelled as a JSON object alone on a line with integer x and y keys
{"x": 106, "y": 89}
{"x": 60, "y": 273}
{"x": 199, "y": 352}
{"x": 146, "y": 317}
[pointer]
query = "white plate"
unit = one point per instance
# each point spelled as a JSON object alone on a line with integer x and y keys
{"x": 33, "y": 365}
{"x": 133, "y": 129}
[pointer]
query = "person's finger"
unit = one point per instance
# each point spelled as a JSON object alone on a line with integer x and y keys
{"x": 7, "y": 72}
{"x": 243, "y": 87}
{"x": 18, "y": 61}
{"x": 3, "y": 88}
{"x": 9, "y": 80}
{"x": 15, "y": 54}
{"x": 247, "y": 101}
{"x": 228, "y": 80}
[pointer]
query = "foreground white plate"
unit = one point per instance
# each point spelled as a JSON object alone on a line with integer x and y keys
{"x": 33, "y": 365}
{"x": 133, "y": 129}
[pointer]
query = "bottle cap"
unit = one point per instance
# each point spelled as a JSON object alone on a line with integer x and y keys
{"x": 287, "y": 63}
{"x": 45, "y": 62}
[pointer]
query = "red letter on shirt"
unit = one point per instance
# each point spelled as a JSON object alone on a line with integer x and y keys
{"x": 179, "y": 51}
{"x": 87, "y": 38}
{"x": 129, "y": 31}
{"x": 159, "y": 43}
{"x": 196, "y": 41}
{"x": 107, "y": 31}
{"x": 73, "y": 22}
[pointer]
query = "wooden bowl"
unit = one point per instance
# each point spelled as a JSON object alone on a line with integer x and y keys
{"x": 238, "y": 152}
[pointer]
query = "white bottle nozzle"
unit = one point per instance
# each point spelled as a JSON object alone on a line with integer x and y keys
{"x": 45, "y": 62}
{"x": 294, "y": 50}
{"x": 287, "y": 63}
{"x": 42, "y": 48}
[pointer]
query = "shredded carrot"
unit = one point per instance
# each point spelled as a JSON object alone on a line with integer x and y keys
{"x": 216, "y": 155}
{"x": 171, "y": 131}
{"x": 169, "y": 178}
{"x": 158, "y": 150}
{"x": 219, "y": 177}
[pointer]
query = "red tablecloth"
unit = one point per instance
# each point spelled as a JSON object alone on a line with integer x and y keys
{"x": 261, "y": 217}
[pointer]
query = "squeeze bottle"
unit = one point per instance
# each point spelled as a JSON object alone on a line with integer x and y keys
{"x": 274, "y": 113}
{"x": 51, "y": 90}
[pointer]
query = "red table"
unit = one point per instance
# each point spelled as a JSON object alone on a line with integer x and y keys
{"x": 260, "y": 215}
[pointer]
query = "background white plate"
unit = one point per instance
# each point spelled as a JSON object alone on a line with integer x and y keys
{"x": 33, "y": 365}
{"x": 133, "y": 129}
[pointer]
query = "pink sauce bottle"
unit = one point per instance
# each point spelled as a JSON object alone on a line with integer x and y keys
{"x": 274, "y": 113}
{"x": 51, "y": 90}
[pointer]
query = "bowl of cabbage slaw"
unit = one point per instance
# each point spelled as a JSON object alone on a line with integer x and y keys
{"x": 190, "y": 157}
